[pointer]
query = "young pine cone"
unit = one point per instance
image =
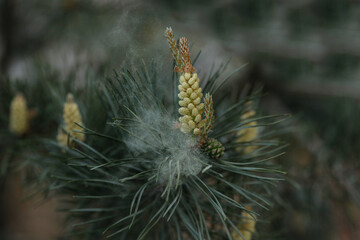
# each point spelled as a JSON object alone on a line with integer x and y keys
{"x": 213, "y": 148}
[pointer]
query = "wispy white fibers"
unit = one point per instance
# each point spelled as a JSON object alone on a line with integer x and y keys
{"x": 157, "y": 136}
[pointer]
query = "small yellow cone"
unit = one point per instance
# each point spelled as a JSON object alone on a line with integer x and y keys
{"x": 71, "y": 117}
{"x": 19, "y": 115}
{"x": 248, "y": 134}
{"x": 246, "y": 228}
{"x": 191, "y": 107}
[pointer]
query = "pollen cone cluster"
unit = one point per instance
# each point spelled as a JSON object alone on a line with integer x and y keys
{"x": 18, "y": 115}
{"x": 190, "y": 94}
{"x": 191, "y": 107}
{"x": 248, "y": 134}
{"x": 246, "y": 228}
{"x": 71, "y": 117}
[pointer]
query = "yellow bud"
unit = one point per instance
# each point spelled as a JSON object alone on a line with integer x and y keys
{"x": 18, "y": 115}
{"x": 195, "y": 85}
{"x": 191, "y": 124}
{"x": 185, "y": 128}
{"x": 198, "y": 118}
{"x": 187, "y": 100}
{"x": 185, "y": 85}
{"x": 182, "y": 79}
{"x": 191, "y": 81}
{"x": 182, "y": 103}
{"x": 197, "y": 101}
{"x": 184, "y": 111}
{"x": 201, "y": 123}
{"x": 246, "y": 227}
{"x": 188, "y": 118}
{"x": 248, "y": 134}
{"x": 71, "y": 117}
{"x": 193, "y": 95}
{"x": 200, "y": 106}
{"x": 190, "y": 106}
{"x": 196, "y": 131}
{"x": 182, "y": 120}
{"x": 183, "y": 94}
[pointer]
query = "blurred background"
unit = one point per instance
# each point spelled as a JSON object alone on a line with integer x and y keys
{"x": 305, "y": 54}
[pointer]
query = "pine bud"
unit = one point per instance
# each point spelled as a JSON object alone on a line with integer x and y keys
{"x": 18, "y": 115}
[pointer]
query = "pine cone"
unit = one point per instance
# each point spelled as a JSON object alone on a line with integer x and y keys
{"x": 213, "y": 148}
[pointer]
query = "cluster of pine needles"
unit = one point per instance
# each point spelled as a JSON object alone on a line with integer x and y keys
{"x": 127, "y": 167}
